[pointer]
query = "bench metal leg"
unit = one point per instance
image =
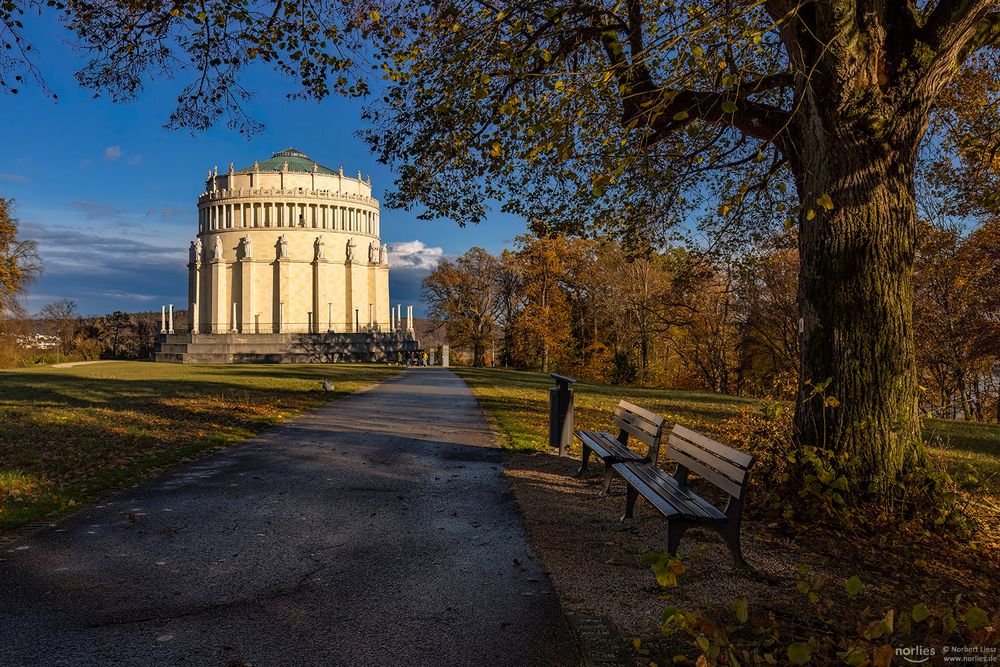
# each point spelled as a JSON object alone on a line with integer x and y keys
{"x": 582, "y": 472}
{"x": 609, "y": 472}
{"x": 630, "y": 496}
{"x": 675, "y": 530}
{"x": 731, "y": 534}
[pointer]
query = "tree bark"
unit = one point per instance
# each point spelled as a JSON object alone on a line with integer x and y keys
{"x": 855, "y": 301}
{"x": 963, "y": 395}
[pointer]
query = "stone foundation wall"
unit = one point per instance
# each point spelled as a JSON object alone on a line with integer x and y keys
{"x": 285, "y": 348}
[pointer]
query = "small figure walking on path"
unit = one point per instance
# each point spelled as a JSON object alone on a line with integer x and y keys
{"x": 424, "y": 359}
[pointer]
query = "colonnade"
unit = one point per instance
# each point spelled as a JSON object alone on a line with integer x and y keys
{"x": 239, "y": 215}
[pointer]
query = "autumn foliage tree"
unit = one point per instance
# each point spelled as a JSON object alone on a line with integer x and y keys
{"x": 19, "y": 262}
{"x": 463, "y": 294}
{"x": 956, "y": 311}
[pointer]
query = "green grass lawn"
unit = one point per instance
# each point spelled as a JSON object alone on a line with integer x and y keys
{"x": 69, "y": 436}
{"x": 518, "y": 403}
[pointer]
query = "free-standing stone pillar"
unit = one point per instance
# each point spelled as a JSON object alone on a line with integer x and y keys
{"x": 163, "y": 319}
{"x": 444, "y": 356}
{"x": 170, "y": 322}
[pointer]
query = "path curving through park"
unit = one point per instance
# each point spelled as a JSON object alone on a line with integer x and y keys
{"x": 375, "y": 530}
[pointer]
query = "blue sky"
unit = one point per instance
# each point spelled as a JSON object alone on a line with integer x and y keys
{"x": 110, "y": 195}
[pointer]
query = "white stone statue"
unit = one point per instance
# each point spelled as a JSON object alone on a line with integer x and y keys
{"x": 247, "y": 247}
{"x": 232, "y": 170}
{"x": 359, "y": 174}
{"x": 194, "y": 252}
{"x": 217, "y": 249}
{"x": 320, "y": 247}
{"x": 341, "y": 171}
{"x": 256, "y": 167}
{"x": 383, "y": 254}
{"x": 282, "y": 247}
{"x": 371, "y": 252}
{"x": 315, "y": 167}
{"x": 350, "y": 250}
{"x": 284, "y": 166}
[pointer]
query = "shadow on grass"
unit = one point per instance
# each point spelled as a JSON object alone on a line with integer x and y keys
{"x": 84, "y": 432}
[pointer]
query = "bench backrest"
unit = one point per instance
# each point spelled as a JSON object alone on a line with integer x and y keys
{"x": 723, "y": 466}
{"x": 640, "y": 423}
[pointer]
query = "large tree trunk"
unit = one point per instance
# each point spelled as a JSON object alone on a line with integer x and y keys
{"x": 857, "y": 386}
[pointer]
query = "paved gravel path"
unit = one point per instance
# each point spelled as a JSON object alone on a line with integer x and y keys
{"x": 73, "y": 364}
{"x": 373, "y": 531}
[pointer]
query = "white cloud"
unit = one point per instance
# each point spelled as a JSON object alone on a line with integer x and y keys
{"x": 134, "y": 160}
{"x": 414, "y": 255}
{"x": 14, "y": 178}
{"x": 112, "y": 153}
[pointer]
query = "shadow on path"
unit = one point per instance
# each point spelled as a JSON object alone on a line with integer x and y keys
{"x": 375, "y": 530}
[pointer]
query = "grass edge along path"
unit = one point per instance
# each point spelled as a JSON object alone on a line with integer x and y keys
{"x": 71, "y": 436}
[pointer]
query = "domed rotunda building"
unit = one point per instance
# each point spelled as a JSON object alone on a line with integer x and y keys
{"x": 288, "y": 262}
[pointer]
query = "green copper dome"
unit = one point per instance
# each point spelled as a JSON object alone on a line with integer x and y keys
{"x": 296, "y": 159}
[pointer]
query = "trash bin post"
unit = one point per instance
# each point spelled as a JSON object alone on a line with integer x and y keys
{"x": 561, "y": 413}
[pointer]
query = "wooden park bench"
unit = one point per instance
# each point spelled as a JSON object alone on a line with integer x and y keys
{"x": 643, "y": 425}
{"x": 722, "y": 466}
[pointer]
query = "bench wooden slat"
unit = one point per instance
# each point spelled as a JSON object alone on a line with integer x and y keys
{"x": 638, "y": 421}
{"x": 635, "y": 432}
{"x": 649, "y": 416}
{"x": 734, "y": 473}
{"x": 606, "y": 446}
{"x": 702, "y": 470}
{"x": 722, "y": 451}
{"x": 690, "y": 505}
{"x": 657, "y": 500}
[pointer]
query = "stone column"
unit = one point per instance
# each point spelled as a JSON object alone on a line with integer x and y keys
{"x": 409, "y": 318}
{"x": 170, "y": 322}
{"x": 194, "y": 297}
{"x": 163, "y": 319}
{"x": 220, "y": 299}
{"x": 359, "y": 284}
{"x": 233, "y": 327}
{"x": 246, "y": 295}
{"x": 320, "y": 282}
{"x": 282, "y": 275}
{"x": 348, "y": 311}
